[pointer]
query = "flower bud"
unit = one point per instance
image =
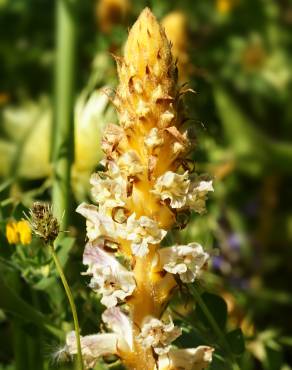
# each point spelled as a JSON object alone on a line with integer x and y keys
{"x": 43, "y": 222}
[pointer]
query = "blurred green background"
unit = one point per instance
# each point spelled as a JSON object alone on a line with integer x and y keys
{"x": 236, "y": 56}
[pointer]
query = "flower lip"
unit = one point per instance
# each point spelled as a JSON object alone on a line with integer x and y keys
{"x": 141, "y": 232}
{"x": 110, "y": 190}
{"x": 198, "y": 358}
{"x": 174, "y": 187}
{"x": 98, "y": 223}
{"x": 119, "y": 342}
{"x": 183, "y": 190}
{"x": 158, "y": 335}
{"x": 185, "y": 260}
{"x": 109, "y": 278}
{"x": 92, "y": 346}
{"x": 120, "y": 324}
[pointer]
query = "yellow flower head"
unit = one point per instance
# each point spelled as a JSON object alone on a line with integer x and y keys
{"x": 111, "y": 12}
{"x": 18, "y": 232}
{"x": 225, "y": 6}
{"x": 24, "y": 232}
{"x": 12, "y": 232}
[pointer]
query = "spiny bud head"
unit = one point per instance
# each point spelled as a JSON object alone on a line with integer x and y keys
{"x": 43, "y": 222}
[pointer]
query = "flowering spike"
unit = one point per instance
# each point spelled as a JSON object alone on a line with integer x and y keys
{"x": 141, "y": 195}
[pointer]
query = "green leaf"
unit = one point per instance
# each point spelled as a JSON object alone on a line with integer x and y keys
{"x": 63, "y": 251}
{"x": 218, "y": 362}
{"x": 274, "y": 359}
{"x": 11, "y": 302}
{"x": 218, "y": 308}
{"x": 254, "y": 150}
{"x": 235, "y": 339}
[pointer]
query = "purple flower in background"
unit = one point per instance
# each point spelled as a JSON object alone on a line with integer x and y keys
{"x": 235, "y": 241}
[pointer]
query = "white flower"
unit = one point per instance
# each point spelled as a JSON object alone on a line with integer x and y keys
{"x": 118, "y": 342}
{"x": 109, "y": 278}
{"x": 156, "y": 334}
{"x": 153, "y": 139}
{"x": 197, "y": 194}
{"x": 141, "y": 232}
{"x": 120, "y": 324}
{"x": 92, "y": 346}
{"x": 96, "y": 258}
{"x": 187, "y": 359}
{"x": 174, "y": 187}
{"x": 97, "y": 223}
{"x": 114, "y": 285}
{"x": 130, "y": 163}
{"x": 108, "y": 192}
{"x": 183, "y": 192}
{"x": 185, "y": 260}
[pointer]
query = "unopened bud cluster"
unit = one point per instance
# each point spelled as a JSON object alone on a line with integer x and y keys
{"x": 146, "y": 187}
{"x": 43, "y": 222}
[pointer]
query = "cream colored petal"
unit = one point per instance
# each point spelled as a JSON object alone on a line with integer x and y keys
{"x": 119, "y": 323}
{"x": 188, "y": 359}
{"x": 93, "y": 346}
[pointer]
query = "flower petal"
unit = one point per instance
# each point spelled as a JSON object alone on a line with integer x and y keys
{"x": 174, "y": 187}
{"x": 109, "y": 278}
{"x": 185, "y": 260}
{"x": 96, "y": 258}
{"x": 119, "y": 323}
{"x": 98, "y": 224}
{"x": 198, "y": 191}
{"x": 188, "y": 359}
{"x": 92, "y": 346}
{"x": 141, "y": 232}
{"x": 158, "y": 335}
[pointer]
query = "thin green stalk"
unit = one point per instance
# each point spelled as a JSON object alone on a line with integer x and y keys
{"x": 19, "y": 335}
{"x": 214, "y": 326}
{"x": 72, "y": 305}
{"x": 63, "y": 138}
{"x": 19, "y": 345}
{"x": 35, "y": 341}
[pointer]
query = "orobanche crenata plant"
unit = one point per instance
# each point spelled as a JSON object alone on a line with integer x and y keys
{"x": 145, "y": 191}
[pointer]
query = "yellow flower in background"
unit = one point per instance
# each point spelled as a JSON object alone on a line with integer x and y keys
{"x": 176, "y": 29}
{"x": 24, "y": 232}
{"x": 12, "y": 233}
{"x": 18, "y": 232}
{"x": 224, "y": 6}
{"x": 111, "y": 12}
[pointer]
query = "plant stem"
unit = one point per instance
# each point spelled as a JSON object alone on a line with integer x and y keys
{"x": 35, "y": 341}
{"x": 19, "y": 345}
{"x": 19, "y": 336}
{"x": 215, "y": 326}
{"x": 72, "y": 305}
{"x": 63, "y": 138}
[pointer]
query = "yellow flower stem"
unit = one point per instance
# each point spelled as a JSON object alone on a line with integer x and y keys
{"x": 214, "y": 326}
{"x": 72, "y": 306}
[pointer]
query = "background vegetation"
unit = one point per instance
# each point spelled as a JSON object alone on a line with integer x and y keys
{"x": 236, "y": 56}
